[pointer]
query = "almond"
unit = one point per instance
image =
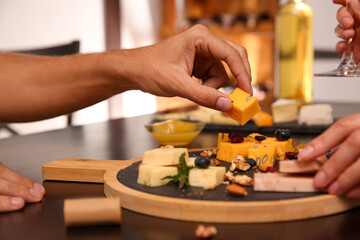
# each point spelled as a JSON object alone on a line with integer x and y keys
{"x": 236, "y": 190}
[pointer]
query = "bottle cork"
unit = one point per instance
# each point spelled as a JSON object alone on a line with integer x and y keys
{"x": 92, "y": 211}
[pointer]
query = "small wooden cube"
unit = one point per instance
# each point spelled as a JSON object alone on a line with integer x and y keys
{"x": 244, "y": 106}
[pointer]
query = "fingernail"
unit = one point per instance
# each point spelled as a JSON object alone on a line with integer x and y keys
{"x": 223, "y": 104}
{"x": 320, "y": 179}
{"x": 335, "y": 188}
{"x": 346, "y": 22}
{"x": 16, "y": 201}
{"x": 39, "y": 187}
{"x": 305, "y": 152}
{"x": 36, "y": 190}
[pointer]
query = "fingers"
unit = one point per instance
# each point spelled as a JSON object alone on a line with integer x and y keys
{"x": 340, "y": 172}
{"x": 8, "y": 204}
{"x": 8, "y": 174}
{"x": 210, "y": 45}
{"x": 345, "y": 19}
{"x": 332, "y": 137}
{"x": 216, "y": 76}
{"x": 341, "y": 47}
{"x": 344, "y": 33}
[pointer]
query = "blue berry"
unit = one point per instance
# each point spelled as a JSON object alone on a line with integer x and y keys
{"x": 202, "y": 162}
{"x": 260, "y": 138}
{"x": 251, "y": 162}
{"x": 282, "y": 134}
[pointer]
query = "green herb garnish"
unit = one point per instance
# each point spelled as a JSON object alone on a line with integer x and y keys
{"x": 213, "y": 162}
{"x": 182, "y": 177}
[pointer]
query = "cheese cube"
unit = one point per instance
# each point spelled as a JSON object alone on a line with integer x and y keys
{"x": 316, "y": 114}
{"x": 208, "y": 178}
{"x": 164, "y": 156}
{"x": 281, "y": 146}
{"x": 263, "y": 154}
{"x": 263, "y": 119}
{"x": 244, "y": 106}
{"x": 152, "y": 175}
{"x": 285, "y": 110}
{"x": 227, "y": 151}
{"x": 251, "y": 138}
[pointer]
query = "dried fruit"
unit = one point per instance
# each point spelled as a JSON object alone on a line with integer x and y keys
{"x": 260, "y": 138}
{"x": 205, "y": 231}
{"x": 235, "y": 137}
{"x": 202, "y": 162}
{"x": 217, "y": 162}
{"x": 251, "y": 161}
{"x": 271, "y": 169}
{"x": 282, "y": 134}
{"x": 291, "y": 155}
{"x": 236, "y": 190}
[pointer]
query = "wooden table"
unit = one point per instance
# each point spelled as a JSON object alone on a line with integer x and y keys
{"x": 126, "y": 139}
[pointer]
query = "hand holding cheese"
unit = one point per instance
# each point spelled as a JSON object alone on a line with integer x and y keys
{"x": 340, "y": 174}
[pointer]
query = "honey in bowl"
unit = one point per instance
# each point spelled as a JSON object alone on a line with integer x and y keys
{"x": 175, "y": 132}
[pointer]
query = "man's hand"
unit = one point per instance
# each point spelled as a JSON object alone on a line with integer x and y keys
{"x": 340, "y": 174}
{"x": 166, "y": 69}
{"x": 15, "y": 190}
{"x": 349, "y": 27}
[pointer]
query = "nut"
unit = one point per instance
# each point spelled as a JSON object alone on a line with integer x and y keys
{"x": 168, "y": 146}
{"x": 232, "y": 167}
{"x": 203, "y": 231}
{"x": 229, "y": 176}
{"x": 244, "y": 180}
{"x": 240, "y": 163}
{"x": 236, "y": 190}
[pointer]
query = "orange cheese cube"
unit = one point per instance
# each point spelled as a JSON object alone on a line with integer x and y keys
{"x": 263, "y": 119}
{"x": 281, "y": 146}
{"x": 263, "y": 154}
{"x": 244, "y": 106}
{"x": 251, "y": 138}
{"x": 223, "y": 137}
{"x": 227, "y": 151}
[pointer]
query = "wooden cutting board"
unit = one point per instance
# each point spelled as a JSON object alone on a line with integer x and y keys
{"x": 119, "y": 177}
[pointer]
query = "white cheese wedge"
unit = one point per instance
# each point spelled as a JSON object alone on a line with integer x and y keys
{"x": 208, "y": 178}
{"x": 164, "y": 156}
{"x": 316, "y": 114}
{"x": 275, "y": 182}
{"x": 285, "y": 110}
{"x": 152, "y": 175}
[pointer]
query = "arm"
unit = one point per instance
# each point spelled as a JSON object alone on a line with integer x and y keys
{"x": 34, "y": 87}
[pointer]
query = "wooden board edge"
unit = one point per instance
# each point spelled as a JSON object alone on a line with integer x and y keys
{"x": 225, "y": 211}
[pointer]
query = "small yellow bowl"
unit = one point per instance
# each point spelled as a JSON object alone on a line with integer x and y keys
{"x": 175, "y": 132}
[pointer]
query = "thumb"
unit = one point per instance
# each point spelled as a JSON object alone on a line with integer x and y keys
{"x": 207, "y": 96}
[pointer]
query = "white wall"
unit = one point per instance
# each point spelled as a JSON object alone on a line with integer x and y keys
{"x": 40, "y": 23}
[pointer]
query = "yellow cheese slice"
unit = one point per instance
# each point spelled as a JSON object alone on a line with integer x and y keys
{"x": 152, "y": 175}
{"x": 164, "y": 156}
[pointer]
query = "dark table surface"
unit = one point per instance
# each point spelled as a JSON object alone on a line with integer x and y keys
{"x": 127, "y": 139}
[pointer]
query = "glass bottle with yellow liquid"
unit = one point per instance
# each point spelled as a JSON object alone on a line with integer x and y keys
{"x": 294, "y": 51}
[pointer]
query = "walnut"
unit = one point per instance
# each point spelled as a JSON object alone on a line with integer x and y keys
{"x": 167, "y": 146}
{"x": 205, "y": 231}
{"x": 243, "y": 180}
{"x": 229, "y": 176}
{"x": 240, "y": 163}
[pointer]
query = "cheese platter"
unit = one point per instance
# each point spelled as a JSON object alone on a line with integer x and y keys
{"x": 194, "y": 203}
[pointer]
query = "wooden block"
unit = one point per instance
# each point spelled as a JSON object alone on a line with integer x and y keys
{"x": 81, "y": 170}
{"x": 276, "y": 182}
{"x": 92, "y": 211}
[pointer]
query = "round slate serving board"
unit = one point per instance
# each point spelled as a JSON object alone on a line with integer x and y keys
{"x": 195, "y": 204}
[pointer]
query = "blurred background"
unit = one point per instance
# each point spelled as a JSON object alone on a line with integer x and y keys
{"x": 100, "y": 25}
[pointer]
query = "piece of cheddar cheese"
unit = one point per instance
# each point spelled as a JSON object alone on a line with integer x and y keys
{"x": 244, "y": 106}
{"x": 263, "y": 154}
{"x": 263, "y": 119}
{"x": 281, "y": 146}
{"x": 227, "y": 151}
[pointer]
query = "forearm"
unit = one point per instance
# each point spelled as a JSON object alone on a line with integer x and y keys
{"x": 34, "y": 88}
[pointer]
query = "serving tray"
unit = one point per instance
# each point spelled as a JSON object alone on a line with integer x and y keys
{"x": 193, "y": 203}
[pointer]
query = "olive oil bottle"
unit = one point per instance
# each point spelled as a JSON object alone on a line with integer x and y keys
{"x": 294, "y": 51}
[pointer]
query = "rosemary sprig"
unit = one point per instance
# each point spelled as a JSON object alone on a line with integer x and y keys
{"x": 182, "y": 177}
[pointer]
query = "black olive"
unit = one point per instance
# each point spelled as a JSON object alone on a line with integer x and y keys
{"x": 282, "y": 134}
{"x": 260, "y": 138}
{"x": 251, "y": 162}
{"x": 202, "y": 162}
